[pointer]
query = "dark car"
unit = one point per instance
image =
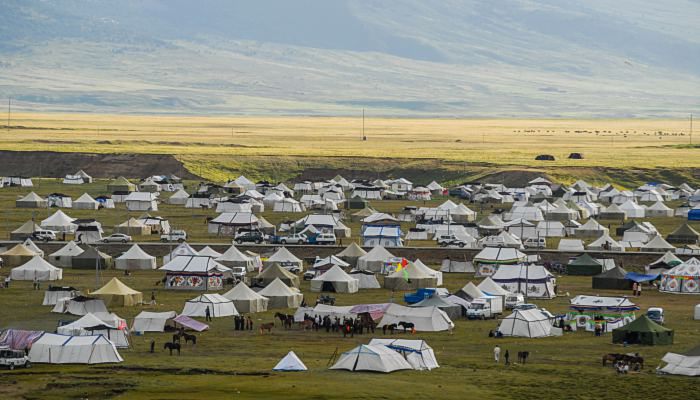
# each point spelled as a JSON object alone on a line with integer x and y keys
{"x": 256, "y": 237}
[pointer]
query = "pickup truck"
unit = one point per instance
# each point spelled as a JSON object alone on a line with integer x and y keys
{"x": 174, "y": 236}
{"x": 450, "y": 240}
{"x": 485, "y": 307}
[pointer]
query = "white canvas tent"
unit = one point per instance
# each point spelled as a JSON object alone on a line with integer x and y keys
{"x": 687, "y": 364}
{"x": 429, "y": 271}
{"x": 183, "y": 249}
{"x": 526, "y": 323}
{"x": 571, "y": 245}
{"x": 417, "y": 352}
{"x": 148, "y": 321}
{"x": 90, "y": 325}
{"x": 290, "y": 362}
{"x": 233, "y": 257}
{"x": 449, "y": 266}
{"x": 365, "y": 279}
{"x": 371, "y": 358}
{"x": 85, "y": 202}
{"x": 535, "y": 279}
{"x": 281, "y": 295}
{"x": 59, "y": 222}
{"x": 284, "y": 258}
{"x": 425, "y": 319}
{"x": 80, "y": 305}
{"x": 36, "y": 268}
{"x": 61, "y": 349}
{"x": 375, "y": 260}
{"x": 209, "y": 252}
{"x": 135, "y": 258}
{"x": 219, "y": 306}
{"x": 63, "y": 257}
{"x": 246, "y": 300}
{"x": 54, "y": 293}
{"x": 335, "y": 280}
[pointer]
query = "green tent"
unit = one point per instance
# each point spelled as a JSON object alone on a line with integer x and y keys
{"x": 612, "y": 279}
{"x": 643, "y": 331}
{"x": 584, "y": 265}
{"x": 684, "y": 235}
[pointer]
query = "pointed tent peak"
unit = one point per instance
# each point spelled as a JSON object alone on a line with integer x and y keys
{"x": 28, "y": 227}
{"x": 242, "y": 292}
{"x": 685, "y": 230}
{"x": 70, "y": 249}
{"x": 473, "y": 291}
{"x": 19, "y": 250}
{"x": 120, "y": 181}
{"x": 135, "y": 253}
{"x": 335, "y": 273}
{"x": 115, "y": 286}
{"x": 208, "y": 251}
{"x": 616, "y": 272}
{"x": 290, "y": 362}
{"x": 658, "y": 242}
{"x": 447, "y": 205}
{"x": 643, "y": 324}
{"x": 276, "y": 288}
{"x": 378, "y": 253}
{"x": 233, "y": 254}
{"x": 353, "y": 250}
{"x": 283, "y": 255}
{"x": 669, "y": 259}
{"x": 585, "y": 259}
{"x": 31, "y": 196}
{"x": 276, "y": 270}
{"x": 84, "y": 198}
{"x": 540, "y": 181}
{"x": 133, "y": 223}
{"x": 488, "y": 286}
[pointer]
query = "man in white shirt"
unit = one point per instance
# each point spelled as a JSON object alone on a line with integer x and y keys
{"x": 496, "y": 353}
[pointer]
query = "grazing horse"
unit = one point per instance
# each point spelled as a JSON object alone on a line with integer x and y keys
{"x": 172, "y": 346}
{"x": 407, "y": 325}
{"x": 285, "y": 319}
{"x": 390, "y": 327}
{"x": 307, "y": 324}
{"x": 190, "y": 338}
{"x": 267, "y": 327}
{"x": 612, "y": 358}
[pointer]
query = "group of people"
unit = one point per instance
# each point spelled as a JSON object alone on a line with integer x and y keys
{"x": 600, "y": 327}
{"x": 522, "y": 356}
{"x": 36, "y": 285}
{"x": 242, "y": 323}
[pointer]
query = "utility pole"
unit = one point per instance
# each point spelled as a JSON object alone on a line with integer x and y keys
{"x": 691, "y": 129}
{"x": 363, "y": 125}
{"x": 9, "y": 112}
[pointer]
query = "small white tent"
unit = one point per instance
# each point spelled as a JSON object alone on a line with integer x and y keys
{"x": 90, "y": 325}
{"x": 135, "y": 258}
{"x": 36, "y": 268}
{"x": 425, "y": 319}
{"x": 85, "y": 202}
{"x": 63, "y": 257}
{"x": 61, "y": 349}
{"x": 246, "y": 300}
{"x": 526, "y": 323}
{"x": 335, "y": 280}
{"x": 281, "y": 295}
{"x": 290, "y": 362}
{"x": 687, "y": 364}
{"x": 416, "y": 352}
{"x": 148, "y": 321}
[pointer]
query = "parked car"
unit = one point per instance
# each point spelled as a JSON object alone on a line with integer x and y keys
{"x": 450, "y": 240}
{"x": 177, "y": 235}
{"x": 256, "y": 237}
{"x": 44, "y": 235}
{"x": 656, "y": 314}
{"x": 323, "y": 238}
{"x": 13, "y": 358}
{"x": 295, "y": 238}
{"x": 525, "y": 306}
{"x": 535, "y": 243}
{"x": 117, "y": 238}
{"x": 238, "y": 273}
{"x": 513, "y": 300}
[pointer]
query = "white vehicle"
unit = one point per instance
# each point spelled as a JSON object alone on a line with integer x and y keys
{"x": 13, "y": 358}
{"x": 485, "y": 307}
{"x": 513, "y": 300}
{"x": 177, "y": 235}
{"x": 44, "y": 235}
{"x": 656, "y": 314}
{"x": 296, "y": 238}
{"x": 535, "y": 243}
{"x": 238, "y": 273}
{"x": 117, "y": 238}
{"x": 325, "y": 238}
{"x": 450, "y": 240}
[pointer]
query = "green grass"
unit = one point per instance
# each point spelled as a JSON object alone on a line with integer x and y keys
{"x": 230, "y": 364}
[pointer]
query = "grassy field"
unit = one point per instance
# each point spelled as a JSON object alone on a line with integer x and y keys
{"x": 216, "y": 147}
{"x": 230, "y": 364}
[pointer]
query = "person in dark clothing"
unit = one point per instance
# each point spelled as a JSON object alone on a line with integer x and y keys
{"x": 153, "y": 346}
{"x": 506, "y": 356}
{"x": 207, "y": 314}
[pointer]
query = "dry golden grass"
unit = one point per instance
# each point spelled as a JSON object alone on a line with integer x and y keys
{"x": 605, "y": 143}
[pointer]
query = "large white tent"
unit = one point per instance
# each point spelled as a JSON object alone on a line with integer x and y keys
{"x": 417, "y": 352}
{"x": 375, "y": 260}
{"x": 683, "y": 278}
{"x": 135, "y": 258}
{"x": 429, "y": 271}
{"x": 365, "y": 279}
{"x": 85, "y": 202}
{"x": 80, "y": 305}
{"x": 61, "y": 349}
{"x": 533, "y": 279}
{"x": 36, "y": 268}
{"x": 285, "y": 259}
{"x": 281, "y": 295}
{"x": 526, "y": 323}
{"x": 335, "y": 280}
{"x": 425, "y": 319}
{"x": 219, "y": 306}
{"x": 59, "y": 222}
{"x": 371, "y": 358}
{"x": 182, "y": 249}
{"x": 234, "y": 258}
{"x": 246, "y": 300}
{"x": 90, "y": 325}
{"x": 148, "y": 321}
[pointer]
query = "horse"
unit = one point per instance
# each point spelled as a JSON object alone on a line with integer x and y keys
{"x": 267, "y": 327}
{"x": 172, "y": 346}
{"x": 407, "y": 325}
{"x": 612, "y": 357}
{"x": 285, "y": 319}
{"x": 307, "y": 324}
{"x": 522, "y": 356}
{"x": 190, "y": 338}
{"x": 634, "y": 359}
{"x": 390, "y": 327}
{"x": 176, "y": 337}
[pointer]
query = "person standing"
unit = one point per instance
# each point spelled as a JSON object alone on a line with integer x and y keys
{"x": 634, "y": 289}
{"x": 639, "y": 289}
{"x": 496, "y": 353}
{"x": 153, "y": 345}
{"x": 506, "y": 356}
{"x": 153, "y": 297}
{"x": 207, "y": 314}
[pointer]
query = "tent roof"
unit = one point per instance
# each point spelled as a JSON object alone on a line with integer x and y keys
{"x": 378, "y": 253}
{"x": 410, "y": 271}
{"x": 276, "y": 288}
{"x": 133, "y": 222}
{"x": 685, "y": 230}
{"x": 643, "y": 324}
{"x": 193, "y": 264}
{"x": 59, "y": 218}
{"x": 669, "y": 259}
{"x": 334, "y": 274}
{"x": 70, "y": 249}
{"x": 473, "y": 291}
{"x": 86, "y": 321}
{"x": 28, "y": 227}
{"x": 36, "y": 264}
{"x": 500, "y": 255}
{"x": 233, "y": 254}
{"x": 433, "y": 301}
{"x": 276, "y": 271}
{"x": 242, "y": 292}
{"x": 213, "y": 298}
{"x": 585, "y": 259}
{"x": 115, "y": 287}
{"x": 488, "y": 286}
{"x": 208, "y": 251}
{"x": 31, "y": 197}
{"x": 283, "y": 255}
{"x": 85, "y": 198}
{"x": 353, "y": 250}
{"x": 135, "y": 253}
{"x": 290, "y": 362}
{"x": 688, "y": 268}
{"x": 658, "y": 243}
{"x": 614, "y": 273}
{"x": 19, "y": 250}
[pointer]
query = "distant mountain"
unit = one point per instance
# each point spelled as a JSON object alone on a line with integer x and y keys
{"x": 507, "y": 58}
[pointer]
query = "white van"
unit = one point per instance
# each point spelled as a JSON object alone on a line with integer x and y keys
{"x": 513, "y": 300}
{"x": 44, "y": 235}
{"x": 535, "y": 243}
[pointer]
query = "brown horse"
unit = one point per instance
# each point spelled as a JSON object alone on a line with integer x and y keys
{"x": 307, "y": 324}
{"x": 267, "y": 327}
{"x": 285, "y": 319}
